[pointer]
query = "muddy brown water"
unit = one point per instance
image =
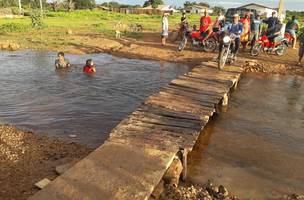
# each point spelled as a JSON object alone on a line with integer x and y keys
{"x": 61, "y": 103}
{"x": 256, "y": 148}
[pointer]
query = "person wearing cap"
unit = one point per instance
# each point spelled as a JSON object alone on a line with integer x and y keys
{"x": 271, "y": 21}
{"x": 255, "y": 28}
{"x": 165, "y": 28}
{"x": 235, "y": 28}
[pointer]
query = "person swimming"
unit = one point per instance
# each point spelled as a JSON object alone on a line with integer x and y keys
{"x": 89, "y": 67}
{"x": 61, "y": 62}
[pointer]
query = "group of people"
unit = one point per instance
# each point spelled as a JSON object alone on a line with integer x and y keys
{"x": 246, "y": 30}
{"x": 62, "y": 63}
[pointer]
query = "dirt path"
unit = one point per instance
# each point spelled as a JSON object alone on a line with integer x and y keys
{"x": 26, "y": 158}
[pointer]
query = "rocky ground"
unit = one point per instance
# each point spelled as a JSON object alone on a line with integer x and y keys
{"x": 208, "y": 192}
{"x": 26, "y": 158}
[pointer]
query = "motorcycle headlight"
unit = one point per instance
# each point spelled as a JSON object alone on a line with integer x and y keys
{"x": 226, "y": 39}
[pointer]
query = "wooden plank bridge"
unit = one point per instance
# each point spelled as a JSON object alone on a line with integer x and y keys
{"x": 140, "y": 149}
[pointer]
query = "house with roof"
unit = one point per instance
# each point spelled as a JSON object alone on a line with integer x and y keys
{"x": 261, "y": 9}
{"x": 198, "y": 9}
{"x": 162, "y": 8}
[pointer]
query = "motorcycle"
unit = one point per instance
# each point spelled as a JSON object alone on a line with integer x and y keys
{"x": 197, "y": 41}
{"x": 226, "y": 55}
{"x": 178, "y": 33}
{"x": 263, "y": 44}
{"x": 289, "y": 38}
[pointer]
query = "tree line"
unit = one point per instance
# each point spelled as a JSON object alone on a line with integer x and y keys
{"x": 69, "y": 4}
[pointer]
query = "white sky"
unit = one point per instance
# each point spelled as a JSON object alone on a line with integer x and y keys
{"x": 289, "y": 4}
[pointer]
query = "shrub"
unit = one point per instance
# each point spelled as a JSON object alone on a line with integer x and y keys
{"x": 14, "y": 27}
{"x": 37, "y": 19}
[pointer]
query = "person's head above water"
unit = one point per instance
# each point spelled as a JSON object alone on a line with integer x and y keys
{"x": 90, "y": 63}
{"x": 60, "y": 54}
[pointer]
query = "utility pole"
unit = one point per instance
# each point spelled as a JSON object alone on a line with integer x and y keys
{"x": 20, "y": 8}
{"x": 41, "y": 7}
{"x": 280, "y": 9}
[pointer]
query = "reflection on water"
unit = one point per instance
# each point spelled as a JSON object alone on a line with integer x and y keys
{"x": 256, "y": 149}
{"x": 35, "y": 96}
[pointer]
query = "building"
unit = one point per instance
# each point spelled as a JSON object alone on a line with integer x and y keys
{"x": 261, "y": 9}
{"x": 162, "y": 8}
{"x": 198, "y": 9}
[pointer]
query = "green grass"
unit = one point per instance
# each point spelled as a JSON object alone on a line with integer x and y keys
{"x": 98, "y": 21}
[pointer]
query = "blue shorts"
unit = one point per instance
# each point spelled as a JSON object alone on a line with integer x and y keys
{"x": 291, "y": 32}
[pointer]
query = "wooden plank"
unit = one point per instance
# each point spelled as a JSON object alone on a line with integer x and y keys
{"x": 155, "y": 109}
{"x": 192, "y": 94}
{"x": 204, "y": 88}
{"x": 180, "y": 107}
{"x": 170, "y": 98}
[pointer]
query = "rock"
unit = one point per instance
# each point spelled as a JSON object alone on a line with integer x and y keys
{"x": 223, "y": 191}
{"x": 43, "y": 183}
{"x": 72, "y": 136}
{"x": 69, "y": 32}
{"x": 5, "y": 46}
{"x": 14, "y": 47}
{"x": 172, "y": 175}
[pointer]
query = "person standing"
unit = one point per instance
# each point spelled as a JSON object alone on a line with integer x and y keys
{"x": 291, "y": 28}
{"x": 236, "y": 28}
{"x": 301, "y": 47}
{"x": 205, "y": 24}
{"x": 219, "y": 22}
{"x": 165, "y": 28}
{"x": 255, "y": 28}
{"x": 246, "y": 30}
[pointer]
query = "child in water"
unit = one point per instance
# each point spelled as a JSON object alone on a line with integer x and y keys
{"x": 61, "y": 62}
{"x": 89, "y": 67}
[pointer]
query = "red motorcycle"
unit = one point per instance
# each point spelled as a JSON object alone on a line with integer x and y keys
{"x": 289, "y": 38}
{"x": 208, "y": 44}
{"x": 263, "y": 44}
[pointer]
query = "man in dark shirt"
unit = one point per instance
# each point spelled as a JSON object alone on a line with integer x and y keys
{"x": 274, "y": 34}
{"x": 271, "y": 21}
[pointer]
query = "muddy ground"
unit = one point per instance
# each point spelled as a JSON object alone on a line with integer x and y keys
{"x": 26, "y": 158}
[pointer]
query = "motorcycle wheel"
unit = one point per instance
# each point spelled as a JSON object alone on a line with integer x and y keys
{"x": 280, "y": 50}
{"x": 256, "y": 50}
{"x": 210, "y": 45}
{"x": 223, "y": 58}
{"x": 173, "y": 36}
{"x": 182, "y": 44}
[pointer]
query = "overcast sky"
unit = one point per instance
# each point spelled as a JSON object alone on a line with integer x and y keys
{"x": 289, "y": 4}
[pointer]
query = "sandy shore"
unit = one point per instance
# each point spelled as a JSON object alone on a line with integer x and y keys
{"x": 26, "y": 158}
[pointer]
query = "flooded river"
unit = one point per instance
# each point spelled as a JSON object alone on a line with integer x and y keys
{"x": 256, "y": 148}
{"x": 61, "y": 103}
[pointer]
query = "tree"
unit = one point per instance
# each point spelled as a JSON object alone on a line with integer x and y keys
{"x": 84, "y": 4}
{"x": 218, "y": 9}
{"x": 153, "y": 3}
{"x": 188, "y": 3}
{"x": 204, "y": 4}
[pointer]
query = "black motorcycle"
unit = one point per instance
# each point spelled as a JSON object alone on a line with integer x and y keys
{"x": 227, "y": 42}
